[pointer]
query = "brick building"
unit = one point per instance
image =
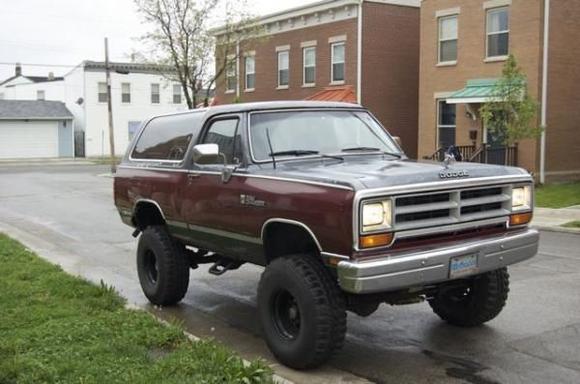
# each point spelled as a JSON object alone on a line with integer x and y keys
{"x": 464, "y": 45}
{"x": 367, "y": 51}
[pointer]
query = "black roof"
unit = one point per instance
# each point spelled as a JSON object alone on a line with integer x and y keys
{"x": 127, "y": 67}
{"x": 33, "y": 110}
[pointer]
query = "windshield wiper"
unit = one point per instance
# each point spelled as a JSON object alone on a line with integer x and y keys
{"x": 294, "y": 152}
{"x": 373, "y": 149}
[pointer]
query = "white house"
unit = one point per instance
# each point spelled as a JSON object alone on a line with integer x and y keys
{"x": 139, "y": 91}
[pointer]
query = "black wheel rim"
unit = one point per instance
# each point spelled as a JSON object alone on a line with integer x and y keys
{"x": 286, "y": 314}
{"x": 151, "y": 266}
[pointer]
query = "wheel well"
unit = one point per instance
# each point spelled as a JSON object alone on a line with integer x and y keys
{"x": 146, "y": 214}
{"x": 281, "y": 239}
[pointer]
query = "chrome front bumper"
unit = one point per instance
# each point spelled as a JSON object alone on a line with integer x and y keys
{"x": 412, "y": 269}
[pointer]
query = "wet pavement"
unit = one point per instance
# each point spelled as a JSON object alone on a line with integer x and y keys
{"x": 66, "y": 214}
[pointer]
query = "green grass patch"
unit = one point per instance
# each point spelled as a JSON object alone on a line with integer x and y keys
{"x": 572, "y": 224}
{"x": 58, "y": 328}
{"x": 558, "y": 195}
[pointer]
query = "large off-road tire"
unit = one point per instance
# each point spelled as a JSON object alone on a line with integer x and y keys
{"x": 481, "y": 300}
{"x": 302, "y": 311}
{"x": 162, "y": 266}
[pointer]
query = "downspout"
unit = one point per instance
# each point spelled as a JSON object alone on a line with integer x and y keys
{"x": 359, "y": 53}
{"x": 544, "y": 92}
{"x": 238, "y": 70}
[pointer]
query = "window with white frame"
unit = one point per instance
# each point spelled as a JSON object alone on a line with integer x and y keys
{"x": 176, "y": 93}
{"x": 155, "y": 97}
{"x": 283, "y": 68}
{"x": 337, "y": 60}
{"x": 40, "y": 95}
{"x": 231, "y": 78}
{"x": 250, "y": 70}
{"x": 309, "y": 64}
{"x": 498, "y": 32}
{"x": 125, "y": 93}
{"x": 102, "y": 97}
{"x": 445, "y": 124}
{"x": 448, "y": 39}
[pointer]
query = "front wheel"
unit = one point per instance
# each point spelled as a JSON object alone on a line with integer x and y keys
{"x": 478, "y": 301}
{"x": 302, "y": 311}
{"x": 162, "y": 266}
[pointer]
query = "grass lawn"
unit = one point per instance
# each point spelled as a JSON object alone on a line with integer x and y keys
{"x": 572, "y": 224}
{"x": 58, "y": 328}
{"x": 558, "y": 195}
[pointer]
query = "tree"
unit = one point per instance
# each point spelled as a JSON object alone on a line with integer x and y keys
{"x": 182, "y": 44}
{"x": 511, "y": 116}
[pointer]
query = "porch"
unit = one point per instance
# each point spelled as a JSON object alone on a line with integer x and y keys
{"x": 487, "y": 154}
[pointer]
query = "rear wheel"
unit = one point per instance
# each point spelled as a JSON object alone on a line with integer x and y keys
{"x": 302, "y": 311}
{"x": 479, "y": 300}
{"x": 162, "y": 266}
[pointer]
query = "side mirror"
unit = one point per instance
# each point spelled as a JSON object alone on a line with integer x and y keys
{"x": 398, "y": 141}
{"x": 206, "y": 153}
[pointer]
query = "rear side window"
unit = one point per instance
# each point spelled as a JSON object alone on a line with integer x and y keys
{"x": 167, "y": 137}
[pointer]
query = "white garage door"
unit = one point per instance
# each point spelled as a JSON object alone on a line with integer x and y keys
{"x": 20, "y": 139}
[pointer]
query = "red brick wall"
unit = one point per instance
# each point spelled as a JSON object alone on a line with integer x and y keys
{"x": 267, "y": 63}
{"x": 563, "y": 118}
{"x": 390, "y": 71}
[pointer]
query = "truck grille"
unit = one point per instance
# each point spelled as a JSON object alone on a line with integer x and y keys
{"x": 450, "y": 207}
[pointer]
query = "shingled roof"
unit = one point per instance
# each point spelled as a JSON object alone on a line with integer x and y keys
{"x": 33, "y": 110}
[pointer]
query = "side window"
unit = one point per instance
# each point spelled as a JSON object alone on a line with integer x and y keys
{"x": 167, "y": 137}
{"x": 226, "y": 135}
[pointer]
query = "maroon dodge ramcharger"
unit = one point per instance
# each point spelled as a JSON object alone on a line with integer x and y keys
{"x": 323, "y": 198}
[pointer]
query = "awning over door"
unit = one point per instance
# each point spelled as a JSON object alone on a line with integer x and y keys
{"x": 343, "y": 93}
{"x": 475, "y": 91}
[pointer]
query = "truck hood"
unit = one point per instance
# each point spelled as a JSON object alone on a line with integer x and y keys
{"x": 369, "y": 172}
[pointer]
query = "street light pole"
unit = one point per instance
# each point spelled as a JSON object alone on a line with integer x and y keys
{"x": 110, "y": 109}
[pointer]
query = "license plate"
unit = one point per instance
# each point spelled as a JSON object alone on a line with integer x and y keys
{"x": 462, "y": 266}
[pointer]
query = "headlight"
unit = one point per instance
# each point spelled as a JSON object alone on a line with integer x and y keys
{"x": 521, "y": 198}
{"x": 376, "y": 215}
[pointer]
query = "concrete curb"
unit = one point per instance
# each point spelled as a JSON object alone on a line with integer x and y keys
{"x": 557, "y": 229}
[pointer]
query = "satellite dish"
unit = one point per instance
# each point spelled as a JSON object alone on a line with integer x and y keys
{"x": 80, "y": 101}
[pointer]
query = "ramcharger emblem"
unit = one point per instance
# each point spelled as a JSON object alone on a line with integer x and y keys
{"x": 452, "y": 174}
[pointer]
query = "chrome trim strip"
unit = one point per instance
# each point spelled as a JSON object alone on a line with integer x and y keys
{"x": 292, "y": 222}
{"x": 149, "y": 201}
{"x": 319, "y": 183}
{"x": 220, "y": 232}
{"x": 217, "y": 173}
{"x": 426, "y": 187}
{"x": 334, "y": 255}
{"x": 149, "y": 168}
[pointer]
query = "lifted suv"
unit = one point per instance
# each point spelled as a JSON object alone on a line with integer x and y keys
{"x": 322, "y": 197}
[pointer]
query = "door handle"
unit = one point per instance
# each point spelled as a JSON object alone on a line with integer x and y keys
{"x": 193, "y": 176}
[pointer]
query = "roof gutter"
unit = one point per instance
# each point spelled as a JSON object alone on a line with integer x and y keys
{"x": 359, "y": 53}
{"x": 544, "y": 92}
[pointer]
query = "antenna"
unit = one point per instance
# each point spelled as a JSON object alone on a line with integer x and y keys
{"x": 271, "y": 149}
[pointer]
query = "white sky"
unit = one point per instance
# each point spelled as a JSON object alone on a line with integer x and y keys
{"x": 65, "y": 32}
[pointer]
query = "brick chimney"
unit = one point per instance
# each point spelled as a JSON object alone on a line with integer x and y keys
{"x": 18, "y": 70}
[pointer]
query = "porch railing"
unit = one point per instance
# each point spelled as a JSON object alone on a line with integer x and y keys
{"x": 507, "y": 155}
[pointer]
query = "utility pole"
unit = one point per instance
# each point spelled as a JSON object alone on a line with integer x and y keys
{"x": 110, "y": 109}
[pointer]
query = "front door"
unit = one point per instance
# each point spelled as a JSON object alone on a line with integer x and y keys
{"x": 211, "y": 206}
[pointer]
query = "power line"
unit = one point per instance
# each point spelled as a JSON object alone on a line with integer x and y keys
{"x": 39, "y": 65}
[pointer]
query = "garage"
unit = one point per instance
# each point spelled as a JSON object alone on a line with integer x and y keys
{"x": 35, "y": 129}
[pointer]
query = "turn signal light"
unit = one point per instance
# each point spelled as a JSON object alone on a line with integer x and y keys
{"x": 520, "y": 219}
{"x": 379, "y": 240}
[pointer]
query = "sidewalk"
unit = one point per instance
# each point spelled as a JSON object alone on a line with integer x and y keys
{"x": 49, "y": 161}
{"x": 551, "y": 219}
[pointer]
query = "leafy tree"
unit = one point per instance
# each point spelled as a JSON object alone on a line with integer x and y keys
{"x": 511, "y": 116}
{"x": 182, "y": 44}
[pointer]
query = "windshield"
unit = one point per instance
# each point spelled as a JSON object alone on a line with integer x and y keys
{"x": 317, "y": 132}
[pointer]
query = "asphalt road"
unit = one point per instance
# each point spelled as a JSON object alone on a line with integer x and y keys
{"x": 66, "y": 214}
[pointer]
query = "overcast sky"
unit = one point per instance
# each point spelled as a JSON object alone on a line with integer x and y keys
{"x": 65, "y": 32}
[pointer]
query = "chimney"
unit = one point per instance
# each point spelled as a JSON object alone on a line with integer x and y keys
{"x": 18, "y": 70}
{"x": 50, "y": 76}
